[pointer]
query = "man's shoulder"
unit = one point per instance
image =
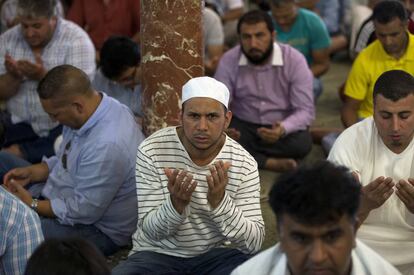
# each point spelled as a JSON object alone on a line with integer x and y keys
{"x": 167, "y": 134}
{"x": 372, "y": 53}
{"x": 228, "y": 66}
{"x": 410, "y": 48}
{"x": 210, "y": 17}
{"x": 11, "y": 35}
{"x": 360, "y": 130}
{"x": 264, "y": 263}
{"x": 367, "y": 261}
{"x": 112, "y": 124}
{"x": 309, "y": 17}
{"x": 71, "y": 30}
{"x": 357, "y": 137}
{"x": 232, "y": 55}
{"x": 237, "y": 153}
{"x": 100, "y": 82}
{"x": 290, "y": 54}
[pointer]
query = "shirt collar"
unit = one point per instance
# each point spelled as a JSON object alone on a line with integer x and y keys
{"x": 408, "y": 55}
{"x": 95, "y": 117}
{"x": 277, "y": 57}
{"x": 409, "y": 52}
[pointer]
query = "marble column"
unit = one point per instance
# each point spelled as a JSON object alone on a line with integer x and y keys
{"x": 172, "y": 53}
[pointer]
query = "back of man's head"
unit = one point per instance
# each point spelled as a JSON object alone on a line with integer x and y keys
{"x": 67, "y": 256}
{"x": 394, "y": 85}
{"x": 118, "y": 53}
{"x": 316, "y": 195}
{"x": 255, "y": 17}
{"x": 278, "y": 3}
{"x": 387, "y": 10}
{"x": 36, "y": 8}
{"x": 64, "y": 81}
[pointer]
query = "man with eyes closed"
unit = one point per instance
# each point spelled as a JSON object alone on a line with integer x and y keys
{"x": 380, "y": 152}
{"x": 316, "y": 210}
{"x": 198, "y": 190}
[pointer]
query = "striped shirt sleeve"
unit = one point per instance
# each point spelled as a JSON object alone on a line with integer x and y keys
{"x": 156, "y": 215}
{"x": 240, "y": 219}
{"x": 21, "y": 234}
{"x": 237, "y": 219}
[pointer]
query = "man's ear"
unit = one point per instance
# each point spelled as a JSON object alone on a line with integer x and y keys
{"x": 228, "y": 115}
{"x": 180, "y": 117}
{"x": 355, "y": 226}
{"x": 78, "y": 106}
{"x": 281, "y": 234}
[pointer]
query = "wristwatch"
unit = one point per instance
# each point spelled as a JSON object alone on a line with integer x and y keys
{"x": 34, "y": 204}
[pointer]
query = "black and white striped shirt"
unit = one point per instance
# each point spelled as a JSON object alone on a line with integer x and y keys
{"x": 162, "y": 229}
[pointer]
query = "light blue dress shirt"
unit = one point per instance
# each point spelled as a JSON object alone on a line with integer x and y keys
{"x": 98, "y": 185}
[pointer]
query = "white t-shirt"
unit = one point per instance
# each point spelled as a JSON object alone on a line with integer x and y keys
{"x": 274, "y": 262}
{"x": 389, "y": 229}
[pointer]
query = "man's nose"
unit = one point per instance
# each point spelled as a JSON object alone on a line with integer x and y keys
{"x": 395, "y": 123}
{"x": 202, "y": 124}
{"x": 318, "y": 253}
{"x": 29, "y": 32}
{"x": 254, "y": 43}
{"x": 282, "y": 21}
{"x": 388, "y": 41}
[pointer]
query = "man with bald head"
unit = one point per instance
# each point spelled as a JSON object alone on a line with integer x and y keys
{"x": 88, "y": 189}
{"x": 198, "y": 191}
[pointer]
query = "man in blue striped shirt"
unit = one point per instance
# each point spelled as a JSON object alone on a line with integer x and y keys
{"x": 20, "y": 234}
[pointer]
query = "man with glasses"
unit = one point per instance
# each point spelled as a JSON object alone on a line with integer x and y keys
{"x": 119, "y": 72}
{"x": 89, "y": 186}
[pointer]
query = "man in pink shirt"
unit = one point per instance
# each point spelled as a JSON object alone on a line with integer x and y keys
{"x": 271, "y": 95}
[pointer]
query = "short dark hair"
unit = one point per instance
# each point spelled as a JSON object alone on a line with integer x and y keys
{"x": 254, "y": 17}
{"x": 36, "y": 8}
{"x": 316, "y": 195}
{"x": 63, "y": 81}
{"x": 66, "y": 257}
{"x": 394, "y": 85}
{"x": 118, "y": 53}
{"x": 278, "y": 3}
{"x": 387, "y": 10}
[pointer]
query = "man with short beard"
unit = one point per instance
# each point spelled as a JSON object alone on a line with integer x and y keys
{"x": 271, "y": 95}
{"x": 379, "y": 150}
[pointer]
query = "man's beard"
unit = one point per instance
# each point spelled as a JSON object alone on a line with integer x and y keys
{"x": 258, "y": 60}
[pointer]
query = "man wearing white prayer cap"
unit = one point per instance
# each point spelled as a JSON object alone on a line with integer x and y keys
{"x": 198, "y": 192}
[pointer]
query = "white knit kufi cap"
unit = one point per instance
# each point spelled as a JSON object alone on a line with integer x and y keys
{"x": 206, "y": 87}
